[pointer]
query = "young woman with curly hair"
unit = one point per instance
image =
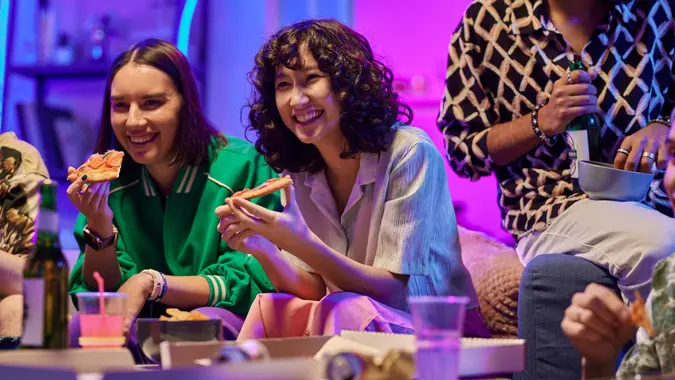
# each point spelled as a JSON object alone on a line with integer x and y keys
{"x": 369, "y": 219}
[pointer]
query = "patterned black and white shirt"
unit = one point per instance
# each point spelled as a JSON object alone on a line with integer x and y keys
{"x": 503, "y": 61}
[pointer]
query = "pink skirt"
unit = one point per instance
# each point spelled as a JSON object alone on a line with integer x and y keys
{"x": 279, "y": 315}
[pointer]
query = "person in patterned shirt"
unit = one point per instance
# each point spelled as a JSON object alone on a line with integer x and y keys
{"x": 597, "y": 322}
{"x": 508, "y": 60}
{"x": 21, "y": 171}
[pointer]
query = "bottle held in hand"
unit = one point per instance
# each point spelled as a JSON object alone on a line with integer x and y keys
{"x": 583, "y": 134}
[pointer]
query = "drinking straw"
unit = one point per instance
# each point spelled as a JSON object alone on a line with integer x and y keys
{"x": 101, "y": 288}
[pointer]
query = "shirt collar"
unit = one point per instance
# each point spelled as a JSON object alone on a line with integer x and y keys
{"x": 187, "y": 177}
{"x": 367, "y": 170}
{"x": 531, "y": 16}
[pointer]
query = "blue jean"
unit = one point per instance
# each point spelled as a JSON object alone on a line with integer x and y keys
{"x": 546, "y": 289}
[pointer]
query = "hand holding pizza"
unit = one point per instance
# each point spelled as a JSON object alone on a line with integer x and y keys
{"x": 90, "y": 189}
{"x": 286, "y": 230}
{"x": 92, "y": 201}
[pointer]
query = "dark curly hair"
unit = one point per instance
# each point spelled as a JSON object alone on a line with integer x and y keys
{"x": 361, "y": 82}
{"x": 195, "y": 134}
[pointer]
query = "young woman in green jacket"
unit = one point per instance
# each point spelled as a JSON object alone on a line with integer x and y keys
{"x": 152, "y": 233}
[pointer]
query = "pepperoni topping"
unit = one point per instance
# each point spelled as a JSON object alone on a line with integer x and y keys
{"x": 95, "y": 161}
{"x": 114, "y": 160}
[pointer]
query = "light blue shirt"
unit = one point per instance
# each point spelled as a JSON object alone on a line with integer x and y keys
{"x": 399, "y": 217}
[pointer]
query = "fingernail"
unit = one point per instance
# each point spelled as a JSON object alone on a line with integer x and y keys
{"x": 84, "y": 177}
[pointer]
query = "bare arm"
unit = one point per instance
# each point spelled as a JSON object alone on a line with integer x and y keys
{"x": 186, "y": 292}
{"x": 349, "y": 275}
{"x": 287, "y": 277}
{"x": 328, "y": 264}
{"x": 509, "y": 141}
{"x": 104, "y": 261}
{"x": 92, "y": 201}
{"x": 11, "y": 274}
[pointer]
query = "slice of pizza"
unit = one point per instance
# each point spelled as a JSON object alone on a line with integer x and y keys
{"x": 638, "y": 315}
{"x": 99, "y": 167}
{"x": 269, "y": 187}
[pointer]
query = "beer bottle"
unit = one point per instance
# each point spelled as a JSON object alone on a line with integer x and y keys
{"x": 583, "y": 134}
{"x": 45, "y": 281}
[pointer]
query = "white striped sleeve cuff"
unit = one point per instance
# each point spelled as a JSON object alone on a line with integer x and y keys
{"x": 217, "y": 288}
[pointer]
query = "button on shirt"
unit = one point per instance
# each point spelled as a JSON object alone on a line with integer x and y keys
{"x": 503, "y": 61}
{"x": 399, "y": 216}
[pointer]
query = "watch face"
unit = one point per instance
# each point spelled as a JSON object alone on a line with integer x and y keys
{"x": 90, "y": 240}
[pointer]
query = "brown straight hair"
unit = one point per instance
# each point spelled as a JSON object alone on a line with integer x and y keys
{"x": 195, "y": 133}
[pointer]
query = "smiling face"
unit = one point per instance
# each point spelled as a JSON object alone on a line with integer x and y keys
{"x": 144, "y": 113}
{"x": 307, "y": 104}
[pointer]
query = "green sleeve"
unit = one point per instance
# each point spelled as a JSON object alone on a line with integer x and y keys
{"x": 77, "y": 283}
{"x": 237, "y": 278}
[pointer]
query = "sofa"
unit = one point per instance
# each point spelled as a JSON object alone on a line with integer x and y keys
{"x": 496, "y": 272}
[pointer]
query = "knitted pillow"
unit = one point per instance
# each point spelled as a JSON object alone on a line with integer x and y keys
{"x": 495, "y": 270}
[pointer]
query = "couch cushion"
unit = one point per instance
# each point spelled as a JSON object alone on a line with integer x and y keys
{"x": 495, "y": 270}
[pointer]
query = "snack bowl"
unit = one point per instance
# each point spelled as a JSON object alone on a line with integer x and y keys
{"x": 151, "y": 332}
{"x": 603, "y": 181}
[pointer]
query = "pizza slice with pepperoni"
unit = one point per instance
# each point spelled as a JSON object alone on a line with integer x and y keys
{"x": 99, "y": 167}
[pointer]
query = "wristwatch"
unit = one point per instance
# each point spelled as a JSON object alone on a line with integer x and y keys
{"x": 92, "y": 240}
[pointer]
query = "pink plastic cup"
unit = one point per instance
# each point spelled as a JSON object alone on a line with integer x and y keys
{"x": 102, "y": 330}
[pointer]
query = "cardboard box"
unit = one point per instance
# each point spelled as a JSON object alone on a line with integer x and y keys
{"x": 76, "y": 360}
{"x": 478, "y": 357}
{"x": 292, "y": 359}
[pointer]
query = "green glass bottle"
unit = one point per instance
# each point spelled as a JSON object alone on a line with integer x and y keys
{"x": 583, "y": 133}
{"x": 45, "y": 281}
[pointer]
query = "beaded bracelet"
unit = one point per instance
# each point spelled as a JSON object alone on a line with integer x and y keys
{"x": 159, "y": 286}
{"x": 537, "y": 131}
{"x": 661, "y": 121}
{"x": 164, "y": 286}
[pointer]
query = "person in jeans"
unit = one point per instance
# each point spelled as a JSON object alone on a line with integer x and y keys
{"x": 505, "y": 110}
{"x": 598, "y": 322}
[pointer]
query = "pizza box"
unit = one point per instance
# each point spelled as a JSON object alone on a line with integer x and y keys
{"x": 76, "y": 360}
{"x": 282, "y": 369}
{"x": 478, "y": 357}
{"x": 277, "y": 369}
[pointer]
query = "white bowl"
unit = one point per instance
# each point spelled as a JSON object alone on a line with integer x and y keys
{"x": 602, "y": 181}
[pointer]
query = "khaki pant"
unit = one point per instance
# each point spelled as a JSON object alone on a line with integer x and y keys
{"x": 626, "y": 238}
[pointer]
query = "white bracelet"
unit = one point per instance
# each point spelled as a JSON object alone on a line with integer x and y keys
{"x": 158, "y": 285}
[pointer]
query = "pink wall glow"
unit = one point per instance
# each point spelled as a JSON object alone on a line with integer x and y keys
{"x": 412, "y": 38}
